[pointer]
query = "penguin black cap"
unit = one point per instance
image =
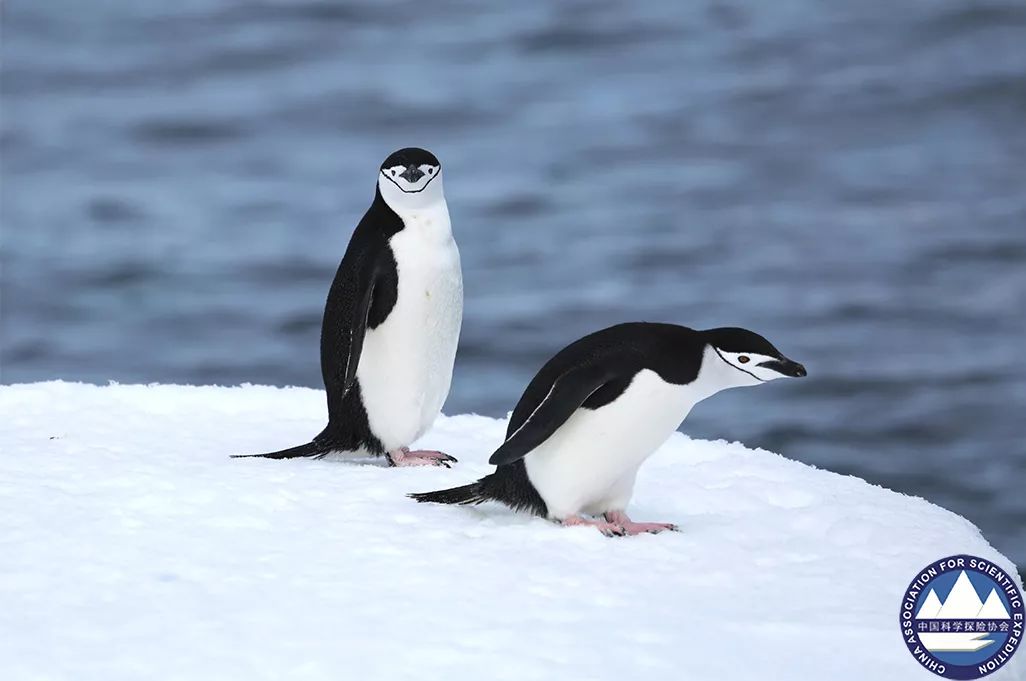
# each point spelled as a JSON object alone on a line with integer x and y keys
{"x": 733, "y": 339}
{"x": 414, "y": 156}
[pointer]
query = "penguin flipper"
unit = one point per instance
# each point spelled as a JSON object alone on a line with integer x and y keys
{"x": 345, "y": 320}
{"x": 569, "y": 391}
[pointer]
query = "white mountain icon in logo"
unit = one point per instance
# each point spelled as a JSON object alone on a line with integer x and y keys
{"x": 963, "y": 603}
{"x": 993, "y": 609}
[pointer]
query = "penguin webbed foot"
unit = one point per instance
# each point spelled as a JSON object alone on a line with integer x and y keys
{"x": 632, "y": 528}
{"x": 404, "y": 457}
{"x": 617, "y": 524}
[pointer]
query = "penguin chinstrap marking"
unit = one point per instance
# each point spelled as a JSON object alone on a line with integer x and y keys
{"x": 603, "y": 405}
{"x": 392, "y": 321}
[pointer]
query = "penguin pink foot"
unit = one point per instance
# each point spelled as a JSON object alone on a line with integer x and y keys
{"x": 607, "y": 528}
{"x": 403, "y": 457}
{"x": 631, "y": 528}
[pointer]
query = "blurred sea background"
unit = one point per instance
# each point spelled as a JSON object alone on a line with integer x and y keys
{"x": 179, "y": 181}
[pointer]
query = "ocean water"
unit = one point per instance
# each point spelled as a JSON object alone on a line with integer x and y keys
{"x": 179, "y": 181}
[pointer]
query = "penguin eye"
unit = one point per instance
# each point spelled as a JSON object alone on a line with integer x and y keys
{"x": 744, "y": 359}
{"x": 392, "y": 171}
{"x": 431, "y": 171}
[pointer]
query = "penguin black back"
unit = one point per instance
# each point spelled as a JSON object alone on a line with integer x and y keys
{"x": 626, "y": 349}
{"x": 366, "y": 257}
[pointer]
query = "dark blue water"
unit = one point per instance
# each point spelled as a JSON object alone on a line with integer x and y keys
{"x": 179, "y": 181}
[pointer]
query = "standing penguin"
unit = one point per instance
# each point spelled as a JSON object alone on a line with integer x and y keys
{"x": 603, "y": 405}
{"x": 392, "y": 321}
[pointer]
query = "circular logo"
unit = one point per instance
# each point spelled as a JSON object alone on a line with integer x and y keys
{"x": 962, "y": 617}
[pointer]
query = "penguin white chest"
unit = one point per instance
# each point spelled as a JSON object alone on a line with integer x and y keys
{"x": 406, "y": 363}
{"x": 589, "y": 464}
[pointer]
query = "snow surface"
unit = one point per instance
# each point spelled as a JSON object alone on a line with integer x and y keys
{"x": 131, "y": 547}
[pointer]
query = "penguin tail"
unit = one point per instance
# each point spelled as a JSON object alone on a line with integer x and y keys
{"x": 465, "y": 495}
{"x": 507, "y": 485}
{"x": 309, "y": 450}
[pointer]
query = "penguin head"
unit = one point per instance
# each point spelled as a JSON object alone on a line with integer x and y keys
{"x": 410, "y": 178}
{"x": 748, "y": 358}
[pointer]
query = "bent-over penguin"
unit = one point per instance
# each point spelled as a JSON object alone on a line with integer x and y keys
{"x": 603, "y": 405}
{"x": 392, "y": 321}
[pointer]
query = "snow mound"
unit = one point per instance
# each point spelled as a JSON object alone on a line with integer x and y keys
{"x": 132, "y": 547}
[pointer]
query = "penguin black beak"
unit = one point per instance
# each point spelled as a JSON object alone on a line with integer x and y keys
{"x": 412, "y": 173}
{"x": 786, "y": 367}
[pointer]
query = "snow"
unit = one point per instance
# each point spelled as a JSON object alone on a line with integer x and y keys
{"x": 132, "y": 547}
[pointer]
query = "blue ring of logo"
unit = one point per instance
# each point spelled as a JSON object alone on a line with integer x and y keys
{"x": 912, "y": 605}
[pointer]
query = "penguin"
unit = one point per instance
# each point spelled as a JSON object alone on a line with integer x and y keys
{"x": 392, "y": 321}
{"x": 600, "y": 407}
